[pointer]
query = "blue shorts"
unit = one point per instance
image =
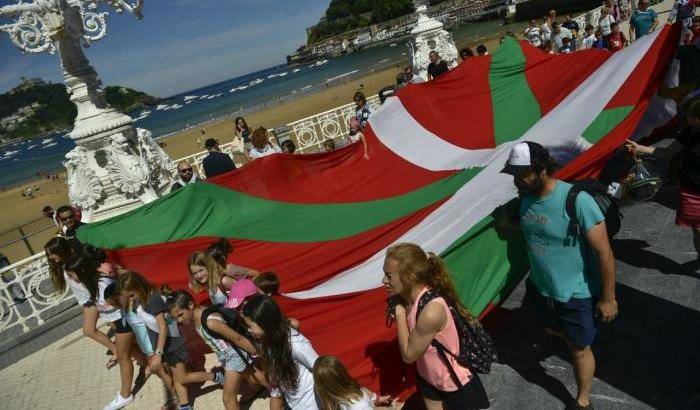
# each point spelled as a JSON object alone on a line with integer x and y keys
{"x": 575, "y": 317}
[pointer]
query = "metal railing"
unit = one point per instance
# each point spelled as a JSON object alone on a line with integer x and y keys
{"x": 27, "y": 297}
{"x": 308, "y": 134}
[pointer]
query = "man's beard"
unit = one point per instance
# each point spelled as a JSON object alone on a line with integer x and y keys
{"x": 533, "y": 188}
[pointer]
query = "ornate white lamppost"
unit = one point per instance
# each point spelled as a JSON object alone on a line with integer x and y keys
{"x": 114, "y": 167}
{"x": 428, "y": 35}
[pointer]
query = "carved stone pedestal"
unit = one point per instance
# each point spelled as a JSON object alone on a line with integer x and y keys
{"x": 114, "y": 167}
{"x": 429, "y": 35}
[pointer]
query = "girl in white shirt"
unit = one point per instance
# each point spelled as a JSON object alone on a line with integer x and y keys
{"x": 82, "y": 268}
{"x": 262, "y": 145}
{"x": 58, "y": 251}
{"x": 286, "y": 356}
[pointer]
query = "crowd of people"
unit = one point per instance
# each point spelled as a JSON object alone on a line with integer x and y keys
{"x": 571, "y": 286}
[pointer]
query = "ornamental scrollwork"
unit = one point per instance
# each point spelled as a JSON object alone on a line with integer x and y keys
{"x": 126, "y": 170}
{"x": 84, "y": 186}
{"x": 36, "y": 24}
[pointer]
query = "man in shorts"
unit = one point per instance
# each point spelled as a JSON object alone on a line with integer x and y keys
{"x": 572, "y": 277}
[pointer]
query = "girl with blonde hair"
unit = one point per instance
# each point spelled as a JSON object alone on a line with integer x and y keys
{"x": 337, "y": 390}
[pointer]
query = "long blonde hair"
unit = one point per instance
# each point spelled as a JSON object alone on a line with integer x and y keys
{"x": 415, "y": 266}
{"x": 333, "y": 383}
{"x": 214, "y": 271}
{"x": 131, "y": 281}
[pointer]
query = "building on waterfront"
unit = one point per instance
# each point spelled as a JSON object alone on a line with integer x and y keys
{"x": 449, "y": 13}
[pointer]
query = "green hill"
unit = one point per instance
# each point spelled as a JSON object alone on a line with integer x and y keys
{"x": 36, "y": 108}
{"x": 346, "y": 15}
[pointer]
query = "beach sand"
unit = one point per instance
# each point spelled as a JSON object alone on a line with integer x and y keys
{"x": 18, "y": 210}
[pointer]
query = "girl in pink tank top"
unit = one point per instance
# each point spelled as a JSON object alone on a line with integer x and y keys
{"x": 430, "y": 366}
{"x": 409, "y": 272}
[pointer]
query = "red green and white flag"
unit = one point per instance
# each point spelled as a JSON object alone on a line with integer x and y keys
{"x": 322, "y": 222}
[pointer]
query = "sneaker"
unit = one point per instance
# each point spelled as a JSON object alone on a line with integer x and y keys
{"x": 119, "y": 402}
{"x": 219, "y": 377}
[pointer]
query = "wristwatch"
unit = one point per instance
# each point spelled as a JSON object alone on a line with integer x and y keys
{"x": 159, "y": 352}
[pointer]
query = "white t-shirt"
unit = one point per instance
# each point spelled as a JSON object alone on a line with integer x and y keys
{"x": 107, "y": 311}
{"x": 80, "y": 292}
{"x": 546, "y": 32}
{"x": 268, "y": 150}
{"x": 304, "y": 398}
{"x": 533, "y": 36}
{"x": 588, "y": 42}
{"x": 558, "y": 38}
{"x": 365, "y": 403}
{"x": 605, "y": 23}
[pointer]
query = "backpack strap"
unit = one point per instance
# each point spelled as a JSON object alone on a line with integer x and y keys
{"x": 570, "y": 207}
{"x": 439, "y": 347}
{"x": 217, "y": 309}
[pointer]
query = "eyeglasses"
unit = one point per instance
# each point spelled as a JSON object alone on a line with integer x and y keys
{"x": 184, "y": 171}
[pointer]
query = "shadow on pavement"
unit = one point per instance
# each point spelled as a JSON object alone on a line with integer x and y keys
{"x": 634, "y": 253}
{"x": 649, "y": 352}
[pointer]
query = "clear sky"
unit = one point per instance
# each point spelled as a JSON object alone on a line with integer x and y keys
{"x": 180, "y": 44}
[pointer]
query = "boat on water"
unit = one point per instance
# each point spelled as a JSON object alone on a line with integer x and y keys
{"x": 256, "y": 81}
{"x": 190, "y": 97}
{"x": 283, "y": 74}
{"x": 296, "y": 70}
{"x": 53, "y": 144}
{"x": 162, "y": 107}
{"x": 31, "y": 146}
{"x": 47, "y": 140}
{"x": 10, "y": 153}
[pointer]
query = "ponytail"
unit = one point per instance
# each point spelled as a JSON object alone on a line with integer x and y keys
{"x": 438, "y": 279}
{"x": 178, "y": 298}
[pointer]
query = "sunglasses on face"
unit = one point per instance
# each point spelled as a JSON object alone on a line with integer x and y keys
{"x": 186, "y": 170}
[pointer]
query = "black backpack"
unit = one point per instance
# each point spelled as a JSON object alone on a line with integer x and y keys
{"x": 232, "y": 320}
{"x": 609, "y": 206}
{"x": 476, "y": 348}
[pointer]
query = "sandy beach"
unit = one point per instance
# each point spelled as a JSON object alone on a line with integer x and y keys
{"x": 19, "y": 210}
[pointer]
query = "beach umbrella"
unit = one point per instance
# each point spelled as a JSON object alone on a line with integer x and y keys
{"x": 322, "y": 222}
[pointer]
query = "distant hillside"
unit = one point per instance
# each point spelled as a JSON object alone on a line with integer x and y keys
{"x": 36, "y": 108}
{"x": 346, "y": 15}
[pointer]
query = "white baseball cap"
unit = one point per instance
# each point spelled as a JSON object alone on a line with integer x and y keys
{"x": 521, "y": 155}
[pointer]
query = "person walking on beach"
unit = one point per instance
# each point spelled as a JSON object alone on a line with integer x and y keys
{"x": 430, "y": 337}
{"x": 243, "y": 132}
{"x": 185, "y": 175}
{"x": 216, "y": 162}
{"x": 362, "y": 108}
{"x": 437, "y": 66}
{"x": 568, "y": 266}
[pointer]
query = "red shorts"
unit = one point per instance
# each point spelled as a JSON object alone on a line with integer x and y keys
{"x": 688, "y": 213}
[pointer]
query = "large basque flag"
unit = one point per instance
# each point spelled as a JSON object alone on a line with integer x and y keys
{"x": 322, "y": 222}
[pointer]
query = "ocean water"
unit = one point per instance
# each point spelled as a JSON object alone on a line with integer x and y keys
{"x": 267, "y": 88}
